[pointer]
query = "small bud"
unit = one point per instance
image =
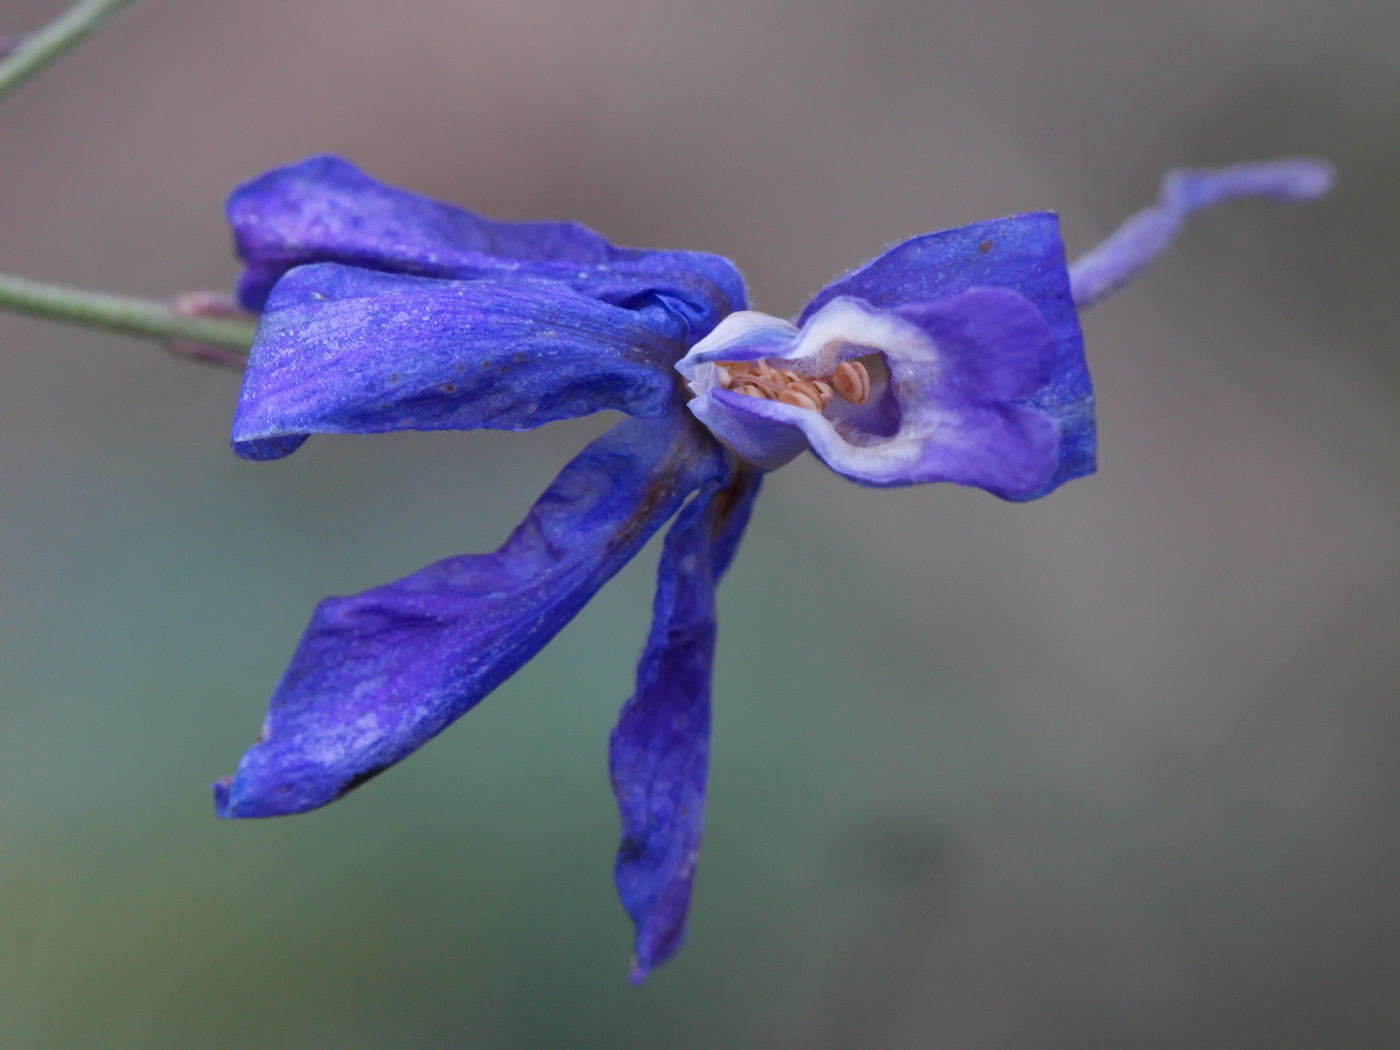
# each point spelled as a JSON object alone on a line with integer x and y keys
{"x": 852, "y": 382}
{"x": 208, "y": 304}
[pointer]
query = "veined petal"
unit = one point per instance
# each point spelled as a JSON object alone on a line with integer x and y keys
{"x": 659, "y": 750}
{"x": 379, "y": 674}
{"x": 350, "y": 351}
{"x": 959, "y": 404}
{"x": 1022, "y": 253}
{"x": 324, "y": 209}
{"x": 1130, "y": 249}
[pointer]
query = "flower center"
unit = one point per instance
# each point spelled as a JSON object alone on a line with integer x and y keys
{"x": 849, "y": 379}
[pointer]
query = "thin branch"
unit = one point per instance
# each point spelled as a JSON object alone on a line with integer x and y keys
{"x": 144, "y": 318}
{"x": 37, "y": 50}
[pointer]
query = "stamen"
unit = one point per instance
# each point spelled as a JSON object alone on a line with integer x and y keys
{"x": 761, "y": 380}
{"x": 793, "y": 396}
{"x": 852, "y": 382}
{"x": 815, "y": 390}
{"x": 751, "y": 387}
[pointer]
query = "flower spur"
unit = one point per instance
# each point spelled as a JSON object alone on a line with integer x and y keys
{"x": 955, "y": 356}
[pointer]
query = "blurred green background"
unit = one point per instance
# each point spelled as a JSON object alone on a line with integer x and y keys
{"x": 1118, "y": 769}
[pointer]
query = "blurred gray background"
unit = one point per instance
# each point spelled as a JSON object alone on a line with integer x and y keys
{"x": 1117, "y": 769}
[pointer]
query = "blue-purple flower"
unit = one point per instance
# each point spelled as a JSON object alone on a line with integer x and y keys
{"x": 955, "y": 356}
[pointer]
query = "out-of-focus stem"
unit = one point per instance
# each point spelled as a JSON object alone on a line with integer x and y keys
{"x": 38, "y": 49}
{"x": 145, "y": 318}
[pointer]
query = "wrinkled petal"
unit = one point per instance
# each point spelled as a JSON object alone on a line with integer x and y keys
{"x": 1024, "y": 254}
{"x": 1129, "y": 250}
{"x": 964, "y": 375}
{"x": 349, "y": 351}
{"x": 379, "y": 674}
{"x": 659, "y": 750}
{"x": 324, "y": 209}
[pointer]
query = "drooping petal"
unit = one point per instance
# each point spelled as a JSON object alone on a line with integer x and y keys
{"x": 350, "y": 351}
{"x": 659, "y": 750}
{"x": 377, "y": 675}
{"x": 324, "y": 209}
{"x": 1119, "y": 259}
{"x": 963, "y": 376}
{"x": 1022, "y": 253}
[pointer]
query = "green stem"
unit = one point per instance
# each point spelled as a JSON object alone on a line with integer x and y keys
{"x": 215, "y": 340}
{"x": 145, "y": 318}
{"x": 56, "y": 39}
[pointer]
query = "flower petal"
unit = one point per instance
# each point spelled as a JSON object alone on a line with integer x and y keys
{"x": 350, "y": 351}
{"x": 1119, "y": 259}
{"x": 379, "y": 674}
{"x": 659, "y": 750}
{"x": 324, "y": 209}
{"x": 1024, "y": 254}
{"x": 963, "y": 377}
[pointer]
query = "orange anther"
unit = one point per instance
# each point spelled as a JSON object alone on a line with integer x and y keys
{"x": 793, "y": 396}
{"x": 749, "y": 388}
{"x": 852, "y": 382}
{"x": 814, "y": 390}
{"x": 730, "y": 372}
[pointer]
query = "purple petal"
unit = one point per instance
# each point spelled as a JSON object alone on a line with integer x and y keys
{"x": 325, "y": 210}
{"x": 349, "y": 351}
{"x": 964, "y": 375}
{"x": 1023, "y": 254}
{"x": 1116, "y": 262}
{"x": 659, "y": 750}
{"x": 379, "y": 674}
{"x": 767, "y": 443}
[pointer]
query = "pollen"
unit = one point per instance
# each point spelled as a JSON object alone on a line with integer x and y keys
{"x": 761, "y": 380}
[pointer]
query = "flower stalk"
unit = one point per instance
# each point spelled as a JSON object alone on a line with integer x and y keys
{"x": 38, "y": 50}
{"x": 211, "y": 339}
{"x": 143, "y": 318}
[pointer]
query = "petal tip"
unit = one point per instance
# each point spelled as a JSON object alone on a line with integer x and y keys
{"x": 1312, "y": 177}
{"x": 223, "y": 802}
{"x": 262, "y": 450}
